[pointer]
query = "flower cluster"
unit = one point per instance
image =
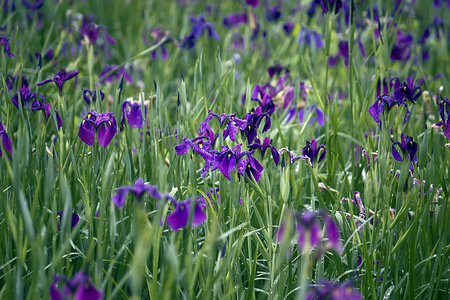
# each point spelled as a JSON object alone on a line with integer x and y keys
{"x": 403, "y": 92}
{"x": 104, "y": 124}
{"x": 226, "y": 159}
{"x": 79, "y": 287}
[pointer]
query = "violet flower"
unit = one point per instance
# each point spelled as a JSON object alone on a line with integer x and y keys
{"x": 250, "y": 166}
{"x": 6, "y": 141}
{"x": 233, "y": 20}
{"x": 79, "y": 287}
{"x": 4, "y": 41}
{"x": 111, "y": 73}
{"x": 273, "y": 14}
{"x": 344, "y": 52}
{"x": 444, "y": 124}
{"x": 46, "y": 107}
{"x": 407, "y": 91}
{"x": 158, "y": 34}
{"x": 264, "y": 99}
{"x": 199, "y": 25}
{"x": 138, "y": 189}
{"x": 333, "y": 291}
{"x": 225, "y": 161}
{"x": 402, "y": 47}
{"x": 74, "y": 221}
{"x": 89, "y": 96}
{"x": 26, "y": 96}
{"x": 252, "y": 3}
{"x": 104, "y": 124}
{"x": 276, "y": 70}
{"x": 306, "y": 36}
{"x": 312, "y": 151}
{"x": 179, "y": 218}
{"x": 92, "y": 31}
{"x": 59, "y": 79}
{"x": 377, "y": 108}
{"x": 288, "y": 27}
{"x": 309, "y": 110}
{"x": 407, "y": 146}
{"x": 208, "y": 199}
{"x": 133, "y": 113}
{"x": 253, "y": 119}
{"x": 267, "y": 143}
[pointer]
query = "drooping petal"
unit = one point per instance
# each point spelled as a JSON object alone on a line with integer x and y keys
{"x": 332, "y": 233}
{"x": 55, "y": 293}
{"x": 315, "y": 234}
{"x": 134, "y": 116}
{"x": 179, "y": 217}
{"x": 395, "y": 153}
{"x": 106, "y": 132}
{"x": 6, "y": 142}
{"x": 320, "y": 117}
{"x": 119, "y": 198}
{"x": 199, "y": 215}
{"x": 87, "y": 291}
{"x": 87, "y": 132}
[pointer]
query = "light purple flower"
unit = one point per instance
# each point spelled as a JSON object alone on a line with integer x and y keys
{"x": 138, "y": 189}
{"x": 6, "y": 141}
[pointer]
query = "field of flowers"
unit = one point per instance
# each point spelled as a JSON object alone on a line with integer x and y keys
{"x": 240, "y": 149}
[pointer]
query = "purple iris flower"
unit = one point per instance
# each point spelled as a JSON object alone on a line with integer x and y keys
{"x": 306, "y": 36}
{"x": 6, "y": 47}
{"x": 233, "y": 126}
{"x": 200, "y": 145}
{"x": 250, "y": 166}
{"x": 288, "y": 27}
{"x": 273, "y": 14}
{"x": 233, "y": 20}
{"x": 79, "y": 287}
{"x": 253, "y": 3}
{"x": 312, "y": 151}
{"x": 309, "y": 110}
{"x": 26, "y": 96}
{"x": 111, "y": 73}
{"x": 6, "y": 141}
{"x": 394, "y": 83}
{"x": 158, "y": 34}
{"x": 138, "y": 189}
{"x": 276, "y": 70}
{"x": 104, "y": 124}
{"x": 407, "y": 91}
{"x": 253, "y": 120}
{"x": 377, "y": 108}
{"x": 199, "y": 25}
{"x": 402, "y": 47}
{"x": 333, "y": 291}
{"x": 179, "y": 218}
{"x": 407, "y": 145}
{"x": 59, "y": 79}
{"x": 264, "y": 99}
{"x": 444, "y": 107}
{"x": 343, "y": 52}
{"x": 133, "y": 113}
{"x": 74, "y": 221}
{"x": 89, "y": 95}
{"x": 46, "y": 107}
{"x": 267, "y": 143}
{"x": 92, "y": 31}
{"x": 225, "y": 161}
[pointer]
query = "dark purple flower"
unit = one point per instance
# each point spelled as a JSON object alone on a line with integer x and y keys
{"x": 276, "y": 70}
{"x": 74, "y": 221}
{"x": 59, "y": 79}
{"x": 333, "y": 291}
{"x": 89, "y": 95}
{"x": 26, "y": 96}
{"x": 264, "y": 99}
{"x": 199, "y": 25}
{"x": 225, "y": 161}
{"x": 112, "y": 73}
{"x": 402, "y": 47}
{"x": 312, "y": 151}
{"x": 138, "y": 189}
{"x": 306, "y": 36}
{"x": 288, "y": 27}
{"x": 179, "y": 218}
{"x": 201, "y": 146}
{"x": 407, "y": 91}
{"x": 6, "y": 141}
{"x": 267, "y": 143}
{"x": 407, "y": 145}
{"x": 308, "y": 222}
{"x": 4, "y": 41}
{"x": 273, "y": 13}
{"x": 377, "y": 108}
{"x": 104, "y": 124}
{"x": 343, "y": 52}
{"x": 46, "y": 107}
{"x": 158, "y": 34}
{"x": 444, "y": 124}
{"x": 79, "y": 287}
{"x": 233, "y": 20}
{"x": 133, "y": 113}
{"x": 233, "y": 126}
{"x": 250, "y": 166}
{"x": 332, "y": 231}
{"x": 394, "y": 83}
{"x": 253, "y": 3}
{"x": 92, "y": 31}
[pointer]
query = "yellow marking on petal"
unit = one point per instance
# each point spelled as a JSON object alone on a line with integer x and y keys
{"x": 200, "y": 145}
{"x": 109, "y": 122}
{"x": 248, "y": 126}
{"x": 404, "y": 88}
{"x": 229, "y": 155}
{"x": 182, "y": 206}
